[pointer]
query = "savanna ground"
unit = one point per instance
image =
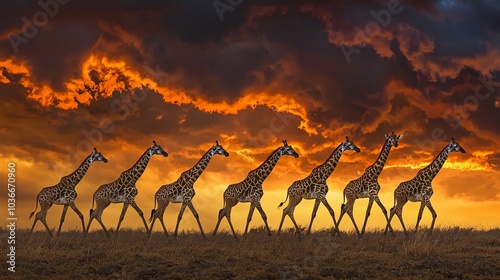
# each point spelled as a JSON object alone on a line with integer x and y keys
{"x": 454, "y": 253}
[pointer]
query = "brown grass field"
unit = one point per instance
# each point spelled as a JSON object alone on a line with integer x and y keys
{"x": 451, "y": 253}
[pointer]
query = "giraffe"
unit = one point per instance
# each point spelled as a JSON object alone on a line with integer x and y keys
{"x": 314, "y": 187}
{"x": 367, "y": 185}
{"x": 182, "y": 190}
{"x": 63, "y": 193}
{"x": 123, "y": 189}
{"x": 420, "y": 188}
{"x": 250, "y": 189}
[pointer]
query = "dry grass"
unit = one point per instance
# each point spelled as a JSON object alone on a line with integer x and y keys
{"x": 447, "y": 253}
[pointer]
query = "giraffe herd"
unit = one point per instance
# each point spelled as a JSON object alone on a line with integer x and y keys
{"x": 314, "y": 186}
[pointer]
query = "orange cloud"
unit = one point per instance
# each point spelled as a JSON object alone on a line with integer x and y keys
{"x": 117, "y": 76}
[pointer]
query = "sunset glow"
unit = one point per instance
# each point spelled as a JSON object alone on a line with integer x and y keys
{"x": 118, "y": 76}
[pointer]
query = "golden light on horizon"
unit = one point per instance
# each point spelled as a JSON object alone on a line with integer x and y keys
{"x": 117, "y": 85}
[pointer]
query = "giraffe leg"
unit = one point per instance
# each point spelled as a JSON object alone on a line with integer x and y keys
{"x": 264, "y": 217}
{"x": 399, "y": 213}
{"x": 63, "y": 215}
{"x": 391, "y": 214}
{"x": 297, "y": 228}
{"x": 330, "y": 210}
{"x": 420, "y": 211}
{"x": 34, "y": 223}
{"x": 433, "y": 212}
{"x": 162, "y": 223}
{"x": 91, "y": 217}
{"x": 97, "y": 214}
{"x": 226, "y": 212}
{"x": 73, "y": 206}
{"x": 122, "y": 215}
{"x": 45, "y": 224}
{"x": 228, "y": 217}
{"x": 41, "y": 216}
{"x": 343, "y": 210}
{"x": 222, "y": 214}
{"x": 368, "y": 210}
{"x": 139, "y": 211}
{"x": 195, "y": 214}
{"x": 249, "y": 218}
{"x": 350, "y": 212}
{"x": 289, "y": 209}
{"x": 313, "y": 215}
{"x": 99, "y": 219}
{"x": 285, "y": 212}
{"x": 158, "y": 214}
{"x": 377, "y": 199}
{"x": 179, "y": 218}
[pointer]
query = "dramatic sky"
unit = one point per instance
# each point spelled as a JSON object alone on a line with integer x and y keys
{"x": 117, "y": 75}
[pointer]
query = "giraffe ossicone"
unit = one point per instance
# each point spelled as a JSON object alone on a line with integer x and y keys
{"x": 419, "y": 188}
{"x": 64, "y": 193}
{"x": 314, "y": 187}
{"x": 250, "y": 189}
{"x": 182, "y": 190}
{"x": 123, "y": 190}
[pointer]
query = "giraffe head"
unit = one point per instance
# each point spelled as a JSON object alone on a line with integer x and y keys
{"x": 218, "y": 150}
{"x": 349, "y": 145}
{"x": 455, "y": 147}
{"x": 393, "y": 139}
{"x": 97, "y": 156}
{"x": 287, "y": 150}
{"x": 157, "y": 150}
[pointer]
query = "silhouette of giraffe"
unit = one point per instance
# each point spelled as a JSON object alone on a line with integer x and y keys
{"x": 314, "y": 187}
{"x": 367, "y": 185}
{"x": 123, "y": 189}
{"x": 420, "y": 187}
{"x": 182, "y": 190}
{"x": 64, "y": 193}
{"x": 250, "y": 189}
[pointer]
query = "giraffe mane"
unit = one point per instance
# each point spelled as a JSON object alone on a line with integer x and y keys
{"x": 381, "y": 150}
{"x": 328, "y": 158}
{"x": 135, "y": 162}
{"x": 268, "y": 157}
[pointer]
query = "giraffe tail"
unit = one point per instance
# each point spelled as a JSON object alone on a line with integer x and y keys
{"x": 36, "y": 207}
{"x": 281, "y": 204}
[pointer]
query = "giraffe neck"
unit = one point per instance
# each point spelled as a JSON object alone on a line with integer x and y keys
{"x": 75, "y": 177}
{"x": 262, "y": 172}
{"x": 195, "y": 172}
{"x": 326, "y": 169}
{"x": 431, "y": 170}
{"x": 376, "y": 168}
{"x": 135, "y": 172}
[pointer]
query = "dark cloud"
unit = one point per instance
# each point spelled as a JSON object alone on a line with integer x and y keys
{"x": 271, "y": 70}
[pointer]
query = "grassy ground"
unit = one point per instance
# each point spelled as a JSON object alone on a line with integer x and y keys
{"x": 447, "y": 253}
